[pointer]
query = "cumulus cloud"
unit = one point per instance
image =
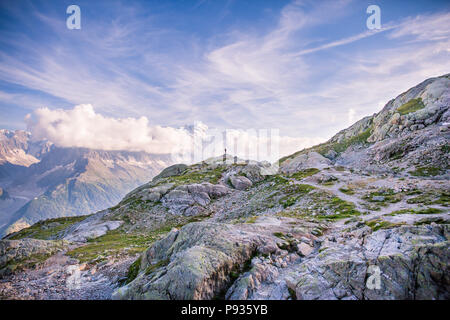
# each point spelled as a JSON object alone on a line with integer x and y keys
{"x": 82, "y": 127}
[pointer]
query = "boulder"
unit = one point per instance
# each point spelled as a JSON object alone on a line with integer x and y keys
{"x": 178, "y": 200}
{"x": 173, "y": 170}
{"x": 305, "y": 161}
{"x": 90, "y": 228}
{"x": 191, "y": 199}
{"x": 240, "y": 182}
{"x": 152, "y": 196}
{"x": 192, "y": 263}
{"x": 304, "y": 250}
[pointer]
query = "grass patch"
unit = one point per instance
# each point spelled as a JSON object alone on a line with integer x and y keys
{"x": 304, "y": 173}
{"x": 426, "y": 172}
{"x": 358, "y": 139}
{"x": 276, "y": 180}
{"x": 279, "y": 235}
{"x": 293, "y": 193}
{"x": 297, "y": 214}
{"x": 153, "y": 267}
{"x": 445, "y": 148}
{"x": 378, "y": 224}
{"x": 118, "y": 242}
{"x": 416, "y": 211}
{"x": 251, "y": 219}
{"x": 134, "y": 203}
{"x": 444, "y": 200}
{"x": 427, "y": 221}
{"x": 343, "y": 209}
{"x": 412, "y": 105}
{"x": 113, "y": 243}
{"x": 389, "y": 195}
{"x": 133, "y": 270}
{"x": 348, "y": 191}
{"x": 189, "y": 177}
{"x": 429, "y": 198}
{"x": 292, "y": 294}
{"x": 47, "y": 229}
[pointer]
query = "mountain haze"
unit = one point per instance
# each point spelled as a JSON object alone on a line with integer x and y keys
{"x": 45, "y": 181}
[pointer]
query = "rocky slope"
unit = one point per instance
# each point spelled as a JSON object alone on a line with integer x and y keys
{"x": 362, "y": 216}
{"x": 410, "y": 133}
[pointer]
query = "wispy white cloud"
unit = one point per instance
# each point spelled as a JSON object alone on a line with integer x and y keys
{"x": 344, "y": 41}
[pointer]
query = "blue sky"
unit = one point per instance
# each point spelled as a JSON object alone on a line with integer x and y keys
{"x": 309, "y": 68}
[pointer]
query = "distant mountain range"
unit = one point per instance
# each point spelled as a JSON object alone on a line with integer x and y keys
{"x": 39, "y": 180}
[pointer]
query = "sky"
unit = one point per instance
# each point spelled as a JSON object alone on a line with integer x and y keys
{"x": 147, "y": 70}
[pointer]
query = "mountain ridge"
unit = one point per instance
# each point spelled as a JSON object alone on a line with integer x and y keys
{"x": 314, "y": 230}
{"x": 396, "y": 129}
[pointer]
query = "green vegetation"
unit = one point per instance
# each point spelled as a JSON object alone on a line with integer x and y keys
{"x": 339, "y": 147}
{"x": 429, "y": 198}
{"x": 413, "y": 192}
{"x": 152, "y": 267}
{"x": 304, "y": 173}
{"x": 288, "y": 243}
{"x": 445, "y": 148}
{"x": 329, "y": 182}
{"x": 251, "y": 219}
{"x": 133, "y": 270}
{"x": 397, "y": 155}
{"x": 444, "y": 200}
{"x": 47, "y": 229}
{"x": 321, "y": 205}
{"x": 113, "y": 243}
{"x": 348, "y": 191}
{"x": 276, "y": 180}
{"x": 297, "y": 213}
{"x": 342, "y": 146}
{"x": 279, "y": 235}
{"x": 411, "y": 106}
{"x": 416, "y": 211}
{"x": 389, "y": 196}
{"x": 236, "y": 271}
{"x": 343, "y": 209}
{"x": 118, "y": 242}
{"x": 421, "y": 197}
{"x": 29, "y": 262}
{"x": 293, "y": 193}
{"x": 426, "y": 172}
{"x": 134, "y": 203}
{"x": 193, "y": 176}
{"x": 430, "y": 220}
{"x": 378, "y": 224}
{"x": 292, "y": 294}
{"x": 189, "y": 176}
